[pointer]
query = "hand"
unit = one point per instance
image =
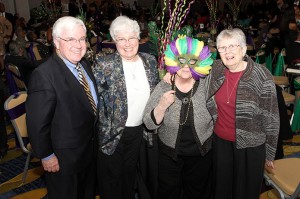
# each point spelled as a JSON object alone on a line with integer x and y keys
{"x": 269, "y": 164}
{"x": 51, "y": 165}
{"x": 166, "y": 99}
{"x": 167, "y": 78}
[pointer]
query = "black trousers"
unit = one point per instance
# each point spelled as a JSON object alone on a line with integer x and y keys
{"x": 238, "y": 172}
{"x": 73, "y": 186}
{"x": 117, "y": 172}
{"x": 189, "y": 177}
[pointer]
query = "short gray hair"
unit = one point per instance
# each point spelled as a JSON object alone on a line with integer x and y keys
{"x": 64, "y": 23}
{"x": 122, "y": 24}
{"x": 234, "y": 33}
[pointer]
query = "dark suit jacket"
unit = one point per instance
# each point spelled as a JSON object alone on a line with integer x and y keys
{"x": 60, "y": 119}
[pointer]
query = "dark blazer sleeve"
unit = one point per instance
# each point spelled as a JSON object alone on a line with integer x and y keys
{"x": 40, "y": 106}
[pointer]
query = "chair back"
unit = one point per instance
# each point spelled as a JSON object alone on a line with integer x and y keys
{"x": 36, "y": 53}
{"x": 33, "y": 52}
{"x": 16, "y": 76}
{"x": 95, "y": 44}
{"x": 285, "y": 178}
{"x": 15, "y": 107}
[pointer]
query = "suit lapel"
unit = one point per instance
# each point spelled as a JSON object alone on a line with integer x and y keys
{"x": 74, "y": 85}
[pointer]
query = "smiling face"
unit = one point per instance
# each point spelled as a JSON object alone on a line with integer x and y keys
{"x": 72, "y": 51}
{"x": 232, "y": 53}
{"x": 127, "y": 44}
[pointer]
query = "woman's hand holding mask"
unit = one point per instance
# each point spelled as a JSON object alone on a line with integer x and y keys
{"x": 165, "y": 101}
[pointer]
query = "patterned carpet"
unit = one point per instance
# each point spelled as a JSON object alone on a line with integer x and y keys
{"x": 12, "y": 165}
{"x": 11, "y": 170}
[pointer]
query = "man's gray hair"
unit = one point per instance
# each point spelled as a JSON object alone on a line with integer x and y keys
{"x": 64, "y": 23}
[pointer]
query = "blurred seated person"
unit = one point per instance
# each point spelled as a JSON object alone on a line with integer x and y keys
{"x": 82, "y": 5}
{"x": 21, "y": 22}
{"x": 73, "y": 8}
{"x": 5, "y": 34}
{"x": 5, "y": 14}
{"x": 297, "y": 14}
{"x": 42, "y": 48}
{"x": 92, "y": 11}
{"x": 20, "y": 37}
{"x": 244, "y": 20}
{"x": 143, "y": 25}
{"x": 292, "y": 50}
{"x": 201, "y": 18}
{"x": 16, "y": 57}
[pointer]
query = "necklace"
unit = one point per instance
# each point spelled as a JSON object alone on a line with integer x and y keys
{"x": 227, "y": 80}
{"x": 186, "y": 100}
{"x": 132, "y": 66}
{"x": 132, "y": 70}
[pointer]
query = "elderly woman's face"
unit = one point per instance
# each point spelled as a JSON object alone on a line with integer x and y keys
{"x": 127, "y": 44}
{"x": 231, "y": 53}
{"x": 184, "y": 72}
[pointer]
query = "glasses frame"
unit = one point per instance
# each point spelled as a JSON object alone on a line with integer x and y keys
{"x": 124, "y": 41}
{"x": 231, "y": 47}
{"x": 74, "y": 41}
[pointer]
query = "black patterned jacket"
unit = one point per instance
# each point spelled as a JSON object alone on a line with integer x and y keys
{"x": 113, "y": 112}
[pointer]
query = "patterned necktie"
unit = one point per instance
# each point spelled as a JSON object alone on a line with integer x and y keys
{"x": 85, "y": 85}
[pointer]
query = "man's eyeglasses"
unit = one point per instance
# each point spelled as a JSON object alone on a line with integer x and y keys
{"x": 74, "y": 41}
{"x": 130, "y": 40}
{"x": 229, "y": 48}
{"x": 183, "y": 60}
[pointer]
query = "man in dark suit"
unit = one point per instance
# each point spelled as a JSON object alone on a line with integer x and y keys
{"x": 61, "y": 115}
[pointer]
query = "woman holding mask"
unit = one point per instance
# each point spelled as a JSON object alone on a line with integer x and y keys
{"x": 178, "y": 113}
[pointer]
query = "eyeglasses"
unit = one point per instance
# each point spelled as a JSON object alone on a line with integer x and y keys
{"x": 229, "y": 48}
{"x": 130, "y": 40}
{"x": 183, "y": 60}
{"x": 74, "y": 41}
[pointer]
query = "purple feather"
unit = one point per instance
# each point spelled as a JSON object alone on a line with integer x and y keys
{"x": 189, "y": 44}
{"x": 204, "y": 53}
{"x": 173, "y": 48}
{"x": 172, "y": 69}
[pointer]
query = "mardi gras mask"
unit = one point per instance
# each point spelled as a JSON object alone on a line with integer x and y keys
{"x": 188, "y": 51}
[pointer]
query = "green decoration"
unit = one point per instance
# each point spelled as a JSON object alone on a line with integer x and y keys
{"x": 296, "y": 119}
{"x": 279, "y": 69}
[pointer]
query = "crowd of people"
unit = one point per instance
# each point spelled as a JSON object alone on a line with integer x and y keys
{"x": 112, "y": 128}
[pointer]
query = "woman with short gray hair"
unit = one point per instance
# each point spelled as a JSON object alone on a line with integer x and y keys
{"x": 242, "y": 100}
{"x": 125, "y": 80}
